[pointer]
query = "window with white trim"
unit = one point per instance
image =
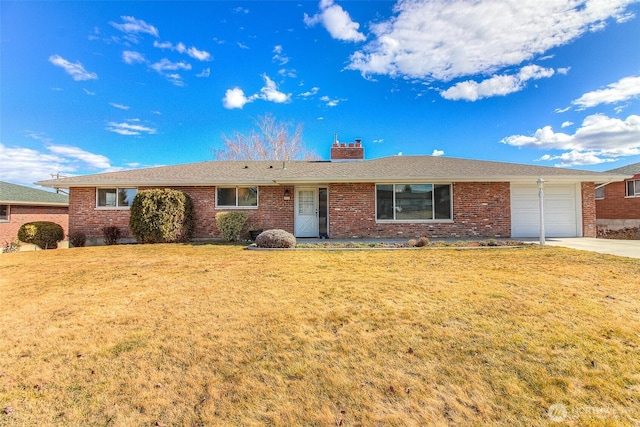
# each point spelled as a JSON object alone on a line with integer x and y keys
{"x": 600, "y": 193}
{"x": 413, "y": 202}
{"x": 237, "y": 197}
{"x": 633, "y": 188}
{"x": 118, "y": 197}
{"x": 4, "y": 213}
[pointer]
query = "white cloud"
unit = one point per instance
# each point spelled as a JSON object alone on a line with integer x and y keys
{"x": 234, "y": 98}
{"x": 448, "y": 39}
{"x": 622, "y": 90}
{"x": 337, "y": 22}
{"x": 279, "y": 56}
{"x": 270, "y": 92}
{"x": 91, "y": 160}
{"x": 437, "y": 153}
{"x": 119, "y": 106}
{"x": 25, "y": 165}
{"x": 75, "y": 70}
{"x": 164, "y": 65}
{"x": 312, "y": 92}
{"x": 39, "y": 136}
{"x": 127, "y": 128}
{"x": 330, "y": 102}
{"x": 566, "y": 124}
{"x": 200, "y": 55}
{"x": 204, "y": 73}
{"x": 132, "y": 25}
{"x": 599, "y": 139}
{"x": 242, "y": 46}
{"x": 131, "y": 57}
{"x": 88, "y": 92}
{"x": 497, "y": 85}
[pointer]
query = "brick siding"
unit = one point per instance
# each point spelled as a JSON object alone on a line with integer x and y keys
{"x": 617, "y": 211}
{"x": 21, "y": 214}
{"x": 479, "y": 209}
{"x": 273, "y": 212}
{"x": 589, "y": 228}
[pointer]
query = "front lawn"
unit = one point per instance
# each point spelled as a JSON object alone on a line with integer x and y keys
{"x": 215, "y": 335}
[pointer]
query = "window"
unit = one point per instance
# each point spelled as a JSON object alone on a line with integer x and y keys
{"x": 116, "y": 197}
{"x": 600, "y": 193}
{"x": 413, "y": 202}
{"x": 237, "y": 197}
{"x": 633, "y": 188}
{"x": 4, "y": 213}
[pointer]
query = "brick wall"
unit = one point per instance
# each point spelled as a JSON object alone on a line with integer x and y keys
{"x": 273, "y": 212}
{"x": 20, "y": 214}
{"x": 588, "y": 210}
{"x": 479, "y": 209}
{"x": 350, "y": 151}
{"x": 616, "y": 210}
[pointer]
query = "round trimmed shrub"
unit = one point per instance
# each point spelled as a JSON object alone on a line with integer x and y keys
{"x": 44, "y": 234}
{"x": 276, "y": 239}
{"x": 162, "y": 216}
{"x": 77, "y": 239}
{"x": 230, "y": 224}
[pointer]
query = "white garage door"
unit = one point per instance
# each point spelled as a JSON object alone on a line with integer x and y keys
{"x": 562, "y": 212}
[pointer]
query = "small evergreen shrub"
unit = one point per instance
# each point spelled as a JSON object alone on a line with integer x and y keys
{"x": 44, "y": 234}
{"x": 77, "y": 239}
{"x": 230, "y": 224}
{"x": 162, "y": 215}
{"x": 111, "y": 235}
{"x": 276, "y": 239}
{"x": 422, "y": 242}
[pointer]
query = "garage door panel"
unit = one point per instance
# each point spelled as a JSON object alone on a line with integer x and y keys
{"x": 560, "y": 207}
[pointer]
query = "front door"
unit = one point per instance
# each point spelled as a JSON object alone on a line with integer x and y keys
{"x": 306, "y": 218}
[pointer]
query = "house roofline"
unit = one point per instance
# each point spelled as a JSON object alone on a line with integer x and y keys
{"x": 25, "y": 203}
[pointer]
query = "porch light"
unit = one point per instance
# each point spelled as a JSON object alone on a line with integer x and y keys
{"x": 540, "y": 183}
{"x": 287, "y": 195}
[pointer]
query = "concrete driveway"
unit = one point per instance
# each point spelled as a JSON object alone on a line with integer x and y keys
{"x": 626, "y": 248}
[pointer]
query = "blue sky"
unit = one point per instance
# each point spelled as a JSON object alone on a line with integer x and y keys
{"x": 89, "y": 87}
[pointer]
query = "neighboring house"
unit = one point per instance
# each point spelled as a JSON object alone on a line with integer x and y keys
{"x": 618, "y": 203}
{"x": 20, "y": 204}
{"x": 349, "y": 197}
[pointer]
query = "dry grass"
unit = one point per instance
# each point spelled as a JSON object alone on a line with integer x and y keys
{"x": 217, "y": 335}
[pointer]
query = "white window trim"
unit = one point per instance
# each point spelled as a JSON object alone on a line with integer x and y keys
{"x": 8, "y": 214}
{"x": 415, "y": 221}
{"x": 112, "y": 208}
{"x": 229, "y": 207}
{"x": 626, "y": 189}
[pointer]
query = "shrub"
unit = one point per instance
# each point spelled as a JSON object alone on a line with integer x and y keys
{"x": 230, "y": 224}
{"x": 111, "y": 235}
{"x": 276, "y": 239}
{"x": 44, "y": 234}
{"x": 8, "y": 247}
{"x": 422, "y": 242}
{"x": 77, "y": 239}
{"x": 162, "y": 216}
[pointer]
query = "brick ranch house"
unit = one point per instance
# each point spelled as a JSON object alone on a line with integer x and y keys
{"x": 20, "y": 204}
{"x": 618, "y": 203}
{"x": 350, "y": 197}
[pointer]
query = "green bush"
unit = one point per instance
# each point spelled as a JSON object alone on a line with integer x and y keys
{"x": 162, "y": 216}
{"x": 111, "y": 235}
{"x": 44, "y": 234}
{"x": 276, "y": 239}
{"x": 77, "y": 239}
{"x": 230, "y": 224}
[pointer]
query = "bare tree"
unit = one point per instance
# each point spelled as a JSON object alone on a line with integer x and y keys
{"x": 272, "y": 140}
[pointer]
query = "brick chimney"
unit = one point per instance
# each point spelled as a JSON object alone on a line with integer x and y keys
{"x": 343, "y": 152}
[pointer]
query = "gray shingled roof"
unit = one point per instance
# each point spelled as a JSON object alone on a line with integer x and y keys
{"x": 632, "y": 169}
{"x": 386, "y": 169}
{"x": 13, "y": 194}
